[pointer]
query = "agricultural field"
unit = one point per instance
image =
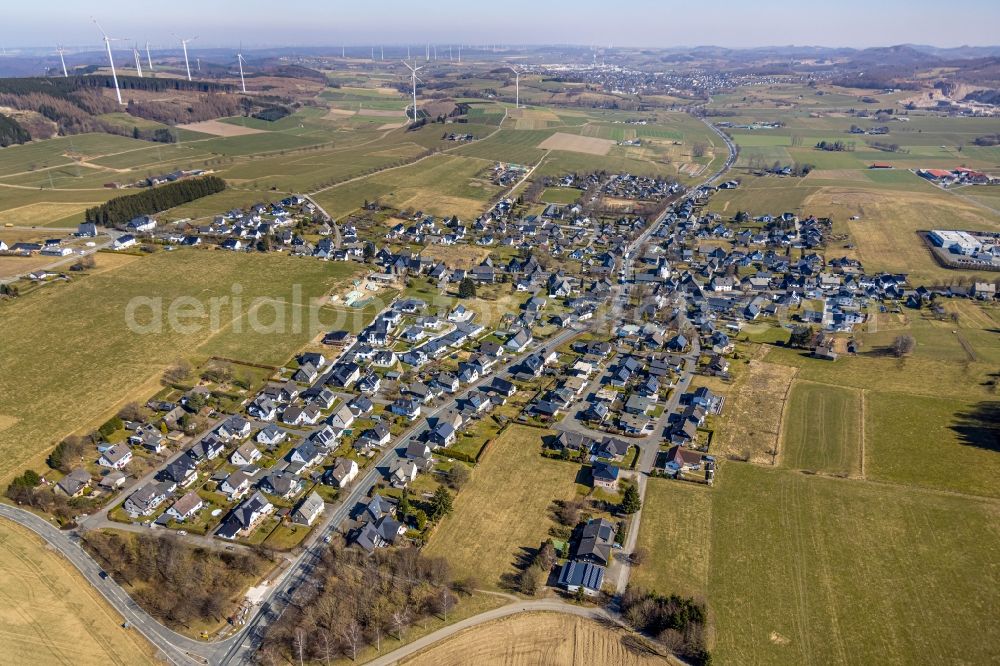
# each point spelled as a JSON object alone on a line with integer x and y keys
{"x": 439, "y": 185}
{"x": 577, "y": 144}
{"x": 561, "y": 195}
{"x": 823, "y": 429}
{"x": 675, "y": 529}
{"x": 906, "y": 434}
{"x": 749, "y": 432}
{"x": 935, "y": 402}
{"x": 886, "y": 233}
{"x": 539, "y": 638}
{"x": 51, "y": 614}
{"x": 519, "y": 520}
{"x": 810, "y": 569}
{"x": 508, "y": 145}
{"x": 94, "y": 363}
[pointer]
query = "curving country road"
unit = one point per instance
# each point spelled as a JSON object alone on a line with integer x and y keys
{"x": 533, "y": 606}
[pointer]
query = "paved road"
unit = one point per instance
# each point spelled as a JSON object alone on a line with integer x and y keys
{"x": 62, "y": 261}
{"x": 337, "y": 240}
{"x": 534, "y": 606}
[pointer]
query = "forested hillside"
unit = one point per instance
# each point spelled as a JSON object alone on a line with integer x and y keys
{"x": 11, "y": 132}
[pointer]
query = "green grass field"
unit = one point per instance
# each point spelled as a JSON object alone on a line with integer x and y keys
{"x": 486, "y": 544}
{"x": 933, "y": 442}
{"x": 822, "y": 429}
{"x": 676, "y": 530}
{"x": 561, "y": 195}
{"x": 94, "y": 362}
{"x": 818, "y": 570}
{"x": 508, "y": 145}
{"x": 440, "y": 185}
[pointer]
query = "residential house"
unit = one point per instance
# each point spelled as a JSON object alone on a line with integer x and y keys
{"x": 145, "y": 500}
{"x": 236, "y": 485}
{"x": 587, "y": 576}
{"x": 597, "y": 539}
{"x": 271, "y": 436}
{"x": 605, "y": 475}
{"x": 246, "y": 517}
{"x": 75, "y": 483}
{"x": 116, "y": 457}
{"x": 402, "y": 473}
{"x": 679, "y": 459}
{"x": 281, "y": 483}
{"x": 379, "y": 533}
{"x": 246, "y": 454}
{"x": 186, "y": 507}
{"x": 344, "y": 471}
{"x": 308, "y": 510}
{"x": 182, "y": 471}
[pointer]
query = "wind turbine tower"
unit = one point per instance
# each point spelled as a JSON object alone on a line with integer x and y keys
{"x": 114, "y": 75}
{"x": 61, "y": 51}
{"x": 138, "y": 62}
{"x": 184, "y": 45}
{"x": 239, "y": 59}
{"x": 517, "y": 87}
{"x": 413, "y": 78}
{"x": 149, "y": 58}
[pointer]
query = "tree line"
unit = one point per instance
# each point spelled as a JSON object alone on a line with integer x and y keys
{"x": 120, "y": 210}
{"x": 678, "y": 622}
{"x": 353, "y": 601}
{"x": 175, "y": 581}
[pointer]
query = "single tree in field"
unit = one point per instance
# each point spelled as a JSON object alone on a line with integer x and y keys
{"x": 800, "y": 337}
{"x": 630, "y": 500}
{"x": 903, "y": 345}
{"x": 441, "y": 503}
{"x": 467, "y": 288}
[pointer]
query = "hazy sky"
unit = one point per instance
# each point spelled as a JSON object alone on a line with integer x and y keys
{"x": 657, "y": 23}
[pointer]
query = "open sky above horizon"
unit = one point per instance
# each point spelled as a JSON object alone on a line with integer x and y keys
{"x": 651, "y": 23}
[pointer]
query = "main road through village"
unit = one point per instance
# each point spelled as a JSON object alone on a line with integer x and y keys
{"x": 241, "y": 645}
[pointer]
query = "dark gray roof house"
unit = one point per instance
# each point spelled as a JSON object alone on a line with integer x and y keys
{"x": 596, "y": 541}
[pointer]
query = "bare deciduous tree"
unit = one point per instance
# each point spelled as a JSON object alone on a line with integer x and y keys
{"x": 903, "y": 345}
{"x": 299, "y": 642}
{"x": 400, "y": 621}
{"x": 351, "y": 635}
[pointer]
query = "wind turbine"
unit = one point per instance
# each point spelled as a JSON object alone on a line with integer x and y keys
{"x": 407, "y": 51}
{"x": 138, "y": 62}
{"x": 184, "y": 45}
{"x": 107, "y": 43}
{"x": 239, "y": 59}
{"x": 61, "y": 51}
{"x": 149, "y": 58}
{"x": 517, "y": 87}
{"x": 382, "y": 51}
{"x": 413, "y": 77}
{"x": 427, "y": 53}
{"x": 460, "y": 53}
